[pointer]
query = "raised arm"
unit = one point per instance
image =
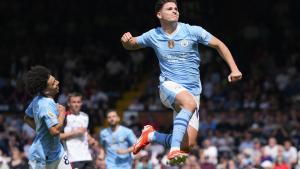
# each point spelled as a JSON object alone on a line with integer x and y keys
{"x": 222, "y": 49}
{"x": 129, "y": 42}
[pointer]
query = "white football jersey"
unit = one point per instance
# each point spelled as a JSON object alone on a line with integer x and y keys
{"x": 77, "y": 147}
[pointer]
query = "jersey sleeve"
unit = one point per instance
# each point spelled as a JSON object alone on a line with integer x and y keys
{"x": 131, "y": 137}
{"x": 101, "y": 138}
{"x": 86, "y": 121}
{"x": 29, "y": 111}
{"x": 48, "y": 115}
{"x": 201, "y": 34}
{"x": 145, "y": 40}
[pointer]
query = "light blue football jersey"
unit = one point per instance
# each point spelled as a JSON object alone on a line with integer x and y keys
{"x": 112, "y": 141}
{"x": 178, "y": 54}
{"x": 45, "y": 147}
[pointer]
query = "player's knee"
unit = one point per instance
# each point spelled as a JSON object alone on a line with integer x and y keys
{"x": 190, "y": 105}
{"x": 186, "y": 100}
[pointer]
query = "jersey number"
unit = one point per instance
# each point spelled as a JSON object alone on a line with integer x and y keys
{"x": 66, "y": 160}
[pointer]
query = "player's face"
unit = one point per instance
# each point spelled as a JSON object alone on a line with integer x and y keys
{"x": 112, "y": 118}
{"x": 168, "y": 12}
{"x": 52, "y": 87}
{"x": 206, "y": 143}
{"x": 287, "y": 144}
{"x": 74, "y": 104}
{"x": 272, "y": 142}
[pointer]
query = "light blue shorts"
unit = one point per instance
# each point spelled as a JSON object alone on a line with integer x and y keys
{"x": 168, "y": 91}
{"x": 61, "y": 163}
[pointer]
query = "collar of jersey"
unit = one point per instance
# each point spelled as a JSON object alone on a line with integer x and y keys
{"x": 46, "y": 98}
{"x": 172, "y": 34}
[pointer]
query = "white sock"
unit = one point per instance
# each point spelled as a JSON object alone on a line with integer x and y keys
{"x": 150, "y": 136}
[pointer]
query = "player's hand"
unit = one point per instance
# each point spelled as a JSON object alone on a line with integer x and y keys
{"x": 126, "y": 37}
{"x": 234, "y": 76}
{"x": 81, "y": 130}
{"x": 61, "y": 108}
{"x": 101, "y": 156}
{"x": 61, "y": 111}
{"x": 93, "y": 141}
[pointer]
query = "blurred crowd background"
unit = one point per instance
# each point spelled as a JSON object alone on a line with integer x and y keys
{"x": 252, "y": 123}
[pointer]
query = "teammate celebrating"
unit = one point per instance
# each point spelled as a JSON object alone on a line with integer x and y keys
{"x": 176, "y": 47}
{"x": 46, "y": 117}
{"x": 117, "y": 141}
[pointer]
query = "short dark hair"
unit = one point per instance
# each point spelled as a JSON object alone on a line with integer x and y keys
{"x": 111, "y": 110}
{"x": 160, "y": 3}
{"x": 36, "y": 79}
{"x": 74, "y": 94}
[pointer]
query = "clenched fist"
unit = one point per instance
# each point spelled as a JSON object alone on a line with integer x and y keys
{"x": 235, "y": 76}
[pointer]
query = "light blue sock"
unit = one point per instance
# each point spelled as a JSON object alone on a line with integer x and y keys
{"x": 162, "y": 139}
{"x": 179, "y": 127}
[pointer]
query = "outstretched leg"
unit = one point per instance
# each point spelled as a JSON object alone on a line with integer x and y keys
{"x": 185, "y": 102}
{"x": 149, "y": 135}
{"x": 184, "y": 134}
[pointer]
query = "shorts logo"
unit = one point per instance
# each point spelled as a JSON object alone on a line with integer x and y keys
{"x": 50, "y": 114}
{"x": 184, "y": 43}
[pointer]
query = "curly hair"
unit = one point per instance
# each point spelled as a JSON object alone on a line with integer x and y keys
{"x": 36, "y": 79}
{"x": 160, "y": 3}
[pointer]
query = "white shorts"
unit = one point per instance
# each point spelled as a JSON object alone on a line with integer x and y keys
{"x": 62, "y": 163}
{"x": 168, "y": 91}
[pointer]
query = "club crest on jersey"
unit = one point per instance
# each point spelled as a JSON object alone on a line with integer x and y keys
{"x": 184, "y": 43}
{"x": 171, "y": 44}
{"x": 50, "y": 114}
